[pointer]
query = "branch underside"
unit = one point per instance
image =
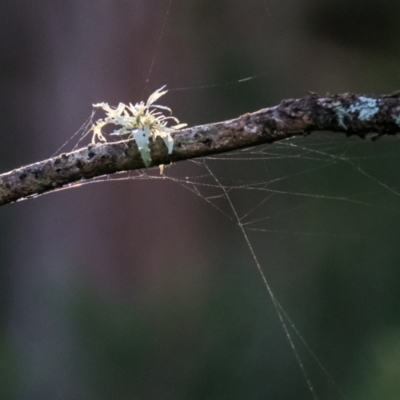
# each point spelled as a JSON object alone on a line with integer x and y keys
{"x": 361, "y": 115}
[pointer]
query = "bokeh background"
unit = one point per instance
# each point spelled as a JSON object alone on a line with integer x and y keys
{"x": 143, "y": 290}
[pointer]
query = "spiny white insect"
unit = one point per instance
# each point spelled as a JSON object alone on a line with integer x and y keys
{"x": 141, "y": 122}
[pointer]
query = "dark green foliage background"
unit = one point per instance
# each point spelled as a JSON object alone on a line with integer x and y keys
{"x": 142, "y": 290}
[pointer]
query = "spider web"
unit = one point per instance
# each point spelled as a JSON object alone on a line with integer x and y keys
{"x": 270, "y": 194}
{"x": 321, "y": 194}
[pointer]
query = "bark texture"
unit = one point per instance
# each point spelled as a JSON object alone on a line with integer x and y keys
{"x": 352, "y": 114}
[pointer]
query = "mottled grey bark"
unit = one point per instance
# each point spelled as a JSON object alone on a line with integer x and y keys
{"x": 361, "y": 115}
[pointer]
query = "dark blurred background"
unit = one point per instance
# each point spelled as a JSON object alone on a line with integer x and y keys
{"x": 141, "y": 289}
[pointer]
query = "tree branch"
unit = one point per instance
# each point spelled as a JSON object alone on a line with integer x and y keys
{"x": 351, "y": 114}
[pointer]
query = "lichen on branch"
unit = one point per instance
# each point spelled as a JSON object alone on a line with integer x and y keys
{"x": 141, "y": 122}
{"x": 352, "y": 114}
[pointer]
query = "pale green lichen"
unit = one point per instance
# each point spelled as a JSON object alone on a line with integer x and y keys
{"x": 397, "y": 120}
{"x": 367, "y": 107}
{"x": 141, "y": 122}
{"x": 340, "y": 114}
